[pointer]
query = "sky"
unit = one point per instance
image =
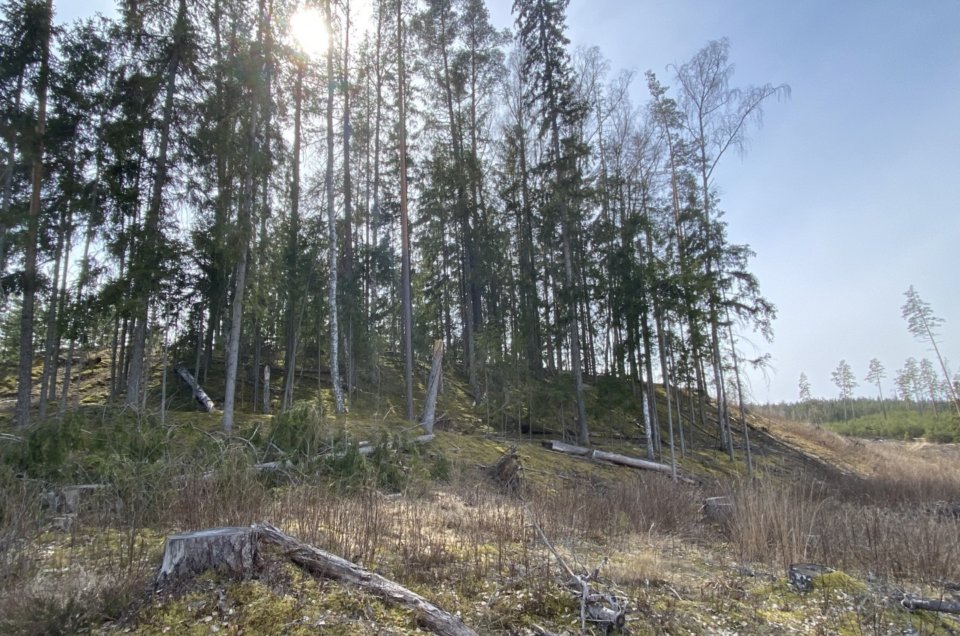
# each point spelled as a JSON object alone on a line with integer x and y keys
{"x": 848, "y": 192}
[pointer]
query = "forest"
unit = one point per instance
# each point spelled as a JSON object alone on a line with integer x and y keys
{"x": 251, "y": 249}
{"x": 243, "y": 181}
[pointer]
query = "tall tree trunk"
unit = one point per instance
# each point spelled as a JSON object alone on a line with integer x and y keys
{"x": 292, "y": 324}
{"x": 349, "y": 282}
{"x": 81, "y": 288}
{"x": 148, "y": 249}
{"x": 405, "y": 299}
{"x": 244, "y": 221}
{"x": 651, "y": 386}
{"x": 740, "y": 405}
{"x": 25, "y": 366}
{"x": 49, "y": 354}
{"x": 332, "y": 237}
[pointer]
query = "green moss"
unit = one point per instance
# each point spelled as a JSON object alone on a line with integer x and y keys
{"x": 839, "y": 582}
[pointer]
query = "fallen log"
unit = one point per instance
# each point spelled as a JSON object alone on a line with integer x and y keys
{"x": 613, "y": 458}
{"x": 913, "y": 603}
{"x": 239, "y": 551}
{"x": 198, "y": 393}
{"x": 366, "y": 448}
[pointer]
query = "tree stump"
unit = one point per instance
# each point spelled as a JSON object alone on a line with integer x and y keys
{"x": 233, "y": 550}
{"x": 69, "y": 499}
{"x": 718, "y": 509}
{"x": 802, "y": 575}
{"x": 433, "y": 386}
{"x": 507, "y": 471}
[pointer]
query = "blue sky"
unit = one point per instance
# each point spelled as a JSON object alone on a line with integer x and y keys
{"x": 850, "y": 192}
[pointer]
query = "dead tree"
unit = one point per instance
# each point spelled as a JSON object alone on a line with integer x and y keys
{"x": 433, "y": 387}
{"x": 614, "y": 458}
{"x": 604, "y": 609}
{"x": 198, "y": 393}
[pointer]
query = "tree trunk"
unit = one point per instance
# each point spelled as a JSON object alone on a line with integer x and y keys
{"x": 49, "y": 354}
{"x": 25, "y": 366}
{"x": 332, "y": 237}
{"x": 148, "y": 249}
{"x": 614, "y": 458}
{"x": 81, "y": 287}
{"x": 327, "y": 565}
{"x": 244, "y": 222}
{"x": 266, "y": 388}
{"x": 405, "y": 299}
{"x": 349, "y": 281}
{"x": 198, "y": 393}
{"x": 433, "y": 387}
{"x": 291, "y": 328}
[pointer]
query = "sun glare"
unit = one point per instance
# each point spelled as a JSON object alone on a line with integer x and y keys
{"x": 309, "y": 29}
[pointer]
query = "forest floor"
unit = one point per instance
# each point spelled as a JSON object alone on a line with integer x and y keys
{"x": 884, "y": 515}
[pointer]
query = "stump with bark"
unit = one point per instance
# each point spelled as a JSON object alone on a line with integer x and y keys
{"x": 233, "y": 550}
{"x": 718, "y": 509}
{"x": 238, "y": 551}
{"x": 507, "y": 471}
{"x": 802, "y": 576}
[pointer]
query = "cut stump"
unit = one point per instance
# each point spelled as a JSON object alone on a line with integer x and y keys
{"x": 802, "y": 576}
{"x": 718, "y": 509}
{"x": 237, "y": 551}
{"x": 233, "y": 550}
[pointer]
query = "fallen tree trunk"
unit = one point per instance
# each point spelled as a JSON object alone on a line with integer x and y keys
{"x": 366, "y": 448}
{"x": 912, "y": 603}
{"x": 198, "y": 393}
{"x": 239, "y": 550}
{"x": 331, "y": 566}
{"x": 614, "y": 458}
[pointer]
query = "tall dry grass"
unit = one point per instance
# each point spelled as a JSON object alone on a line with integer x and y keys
{"x": 895, "y": 513}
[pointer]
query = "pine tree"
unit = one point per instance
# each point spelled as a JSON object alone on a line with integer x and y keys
{"x": 923, "y": 325}
{"x": 875, "y": 374}
{"x": 844, "y": 380}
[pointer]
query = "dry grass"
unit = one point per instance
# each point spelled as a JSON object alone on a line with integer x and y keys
{"x": 473, "y": 547}
{"x": 895, "y": 512}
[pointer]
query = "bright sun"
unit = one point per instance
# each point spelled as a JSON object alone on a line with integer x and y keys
{"x": 309, "y": 29}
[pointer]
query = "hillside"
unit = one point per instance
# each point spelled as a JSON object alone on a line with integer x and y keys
{"x": 885, "y": 515}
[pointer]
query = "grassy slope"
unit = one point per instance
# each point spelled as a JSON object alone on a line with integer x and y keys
{"x": 457, "y": 540}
